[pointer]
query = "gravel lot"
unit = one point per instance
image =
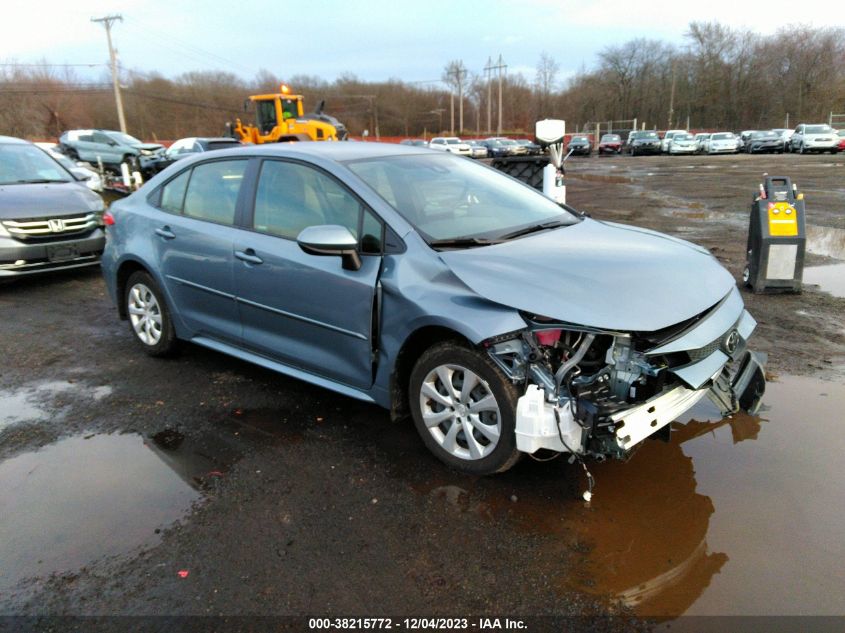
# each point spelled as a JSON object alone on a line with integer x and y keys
{"x": 203, "y": 485}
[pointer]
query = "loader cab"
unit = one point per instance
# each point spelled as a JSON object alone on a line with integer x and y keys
{"x": 265, "y": 116}
{"x": 270, "y": 110}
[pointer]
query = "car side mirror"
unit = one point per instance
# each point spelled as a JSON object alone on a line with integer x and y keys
{"x": 331, "y": 239}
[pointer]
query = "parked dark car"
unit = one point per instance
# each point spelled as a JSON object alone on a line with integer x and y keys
{"x": 188, "y": 147}
{"x": 744, "y": 137}
{"x": 437, "y": 288}
{"x": 48, "y": 220}
{"x": 531, "y": 148}
{"x": 580, "y": 146}
{"x": 514, "y": 148}
{"x": 495, "y": 148}
{"x": 111, "y": 147}
{"x": 610, "y": 144}
{"x": 764, "y": 143}
{"x": 478, "y": 149}
{"x": 644, "y": 142}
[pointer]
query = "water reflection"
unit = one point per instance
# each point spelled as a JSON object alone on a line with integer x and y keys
{"x": 83, "y": 499}
{"x": 643, "y": 541}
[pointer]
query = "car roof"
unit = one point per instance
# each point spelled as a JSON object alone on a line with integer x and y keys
{"x": 338, "y": 151}
{"x": 12, "y": 140}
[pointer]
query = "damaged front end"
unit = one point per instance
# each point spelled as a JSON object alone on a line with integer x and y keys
{"x": 599, "y": 393}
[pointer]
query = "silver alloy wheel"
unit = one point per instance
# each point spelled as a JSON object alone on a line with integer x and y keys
{"x": 460, "y": 411}
{"x": 144, "y": 314}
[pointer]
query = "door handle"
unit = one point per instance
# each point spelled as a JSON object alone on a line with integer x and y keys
{"x": 249, "y": 256}
{"x": 165, "y": 232}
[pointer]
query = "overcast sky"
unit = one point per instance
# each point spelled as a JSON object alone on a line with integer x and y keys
{"x": 374, "y": 39}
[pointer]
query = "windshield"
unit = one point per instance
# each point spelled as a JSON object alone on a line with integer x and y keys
{"x": 21, "y": 164}
{"x": 508, "y": 141}
{"x": 453, "y": 141}
{"x": 579, "y": 139}
{"x": 724, "y": 136}
{"x": 646, "y": 135}
{"x": 682, "y": 137}
{"x": 611, "y": 138}
{"x": 817, "y": 129}
{"x": 448, "y": 197}
{"x": 764, "y": 135}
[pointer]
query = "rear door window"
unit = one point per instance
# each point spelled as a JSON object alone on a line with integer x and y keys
{"x": 173, "y": 193}
{"x": 213, "y": 189}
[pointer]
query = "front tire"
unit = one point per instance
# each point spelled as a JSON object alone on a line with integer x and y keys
{"x": 464, "y": 409}
{"x": 149, "y": 316}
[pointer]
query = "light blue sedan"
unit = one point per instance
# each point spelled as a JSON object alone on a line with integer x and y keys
{"x": 436, "y": 287}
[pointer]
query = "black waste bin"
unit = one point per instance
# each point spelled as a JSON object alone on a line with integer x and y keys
{"x": 776, "y": 238}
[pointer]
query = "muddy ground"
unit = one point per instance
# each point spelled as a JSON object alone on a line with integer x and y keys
{"x": 707, "y": 200}
{"x": 203, "y": 485}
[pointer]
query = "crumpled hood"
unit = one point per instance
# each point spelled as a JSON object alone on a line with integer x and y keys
{"x": 596, "y": 274}
{"x": 150, "y": 146}
{"x": 18, "y": 202}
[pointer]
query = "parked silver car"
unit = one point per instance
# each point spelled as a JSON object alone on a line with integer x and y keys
{"x": 48, "y": 219}
{"x": 819, "y": 137}
{"x": 436, "y": 287}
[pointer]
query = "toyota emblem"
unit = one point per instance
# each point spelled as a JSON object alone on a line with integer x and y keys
{"x": 732, "y": 342}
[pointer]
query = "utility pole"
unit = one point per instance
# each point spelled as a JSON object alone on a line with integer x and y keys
{"x": 501, "y": 66}
{"x": 451, "y": 113}
{"x": 107, "y": 22}
{"x": 489, "y": 70}
{"x": 672, "y": 98}
{"x": 460, "y": 74}
{"x": 457, "y": 74}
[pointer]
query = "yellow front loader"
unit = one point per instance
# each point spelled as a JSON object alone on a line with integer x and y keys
{"x": 280, "y": 118}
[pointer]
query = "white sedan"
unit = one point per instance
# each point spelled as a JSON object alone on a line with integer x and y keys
{"x": 721, "y": 143}
{"x": 683, "y": 144}
{"x": 450, "y": 144}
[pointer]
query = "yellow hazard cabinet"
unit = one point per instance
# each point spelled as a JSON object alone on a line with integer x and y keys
{"x": 776, "y": 238}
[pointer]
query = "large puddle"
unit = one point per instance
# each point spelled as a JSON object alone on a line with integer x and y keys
{"x": 82, "y": 499}
{"x": 828, "y": 278}
{"x": 43, "y": 401}
{"x": 742, "y": 516}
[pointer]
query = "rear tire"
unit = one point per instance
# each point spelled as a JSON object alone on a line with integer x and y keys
{"x": 149, "y": 317}
{"x": 464, "y": 409}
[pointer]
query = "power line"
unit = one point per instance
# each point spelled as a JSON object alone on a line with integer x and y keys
{"x": 189, "y": 50}
{"x": 68, "y": 89}
{"x": 44, "y": 65}
{"x": 197, "y": 104}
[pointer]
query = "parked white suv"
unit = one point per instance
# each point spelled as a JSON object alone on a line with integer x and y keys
{"x": 667, "y": 139}
{"x": 450, "y": 144}
{"x": 817, "y": 137}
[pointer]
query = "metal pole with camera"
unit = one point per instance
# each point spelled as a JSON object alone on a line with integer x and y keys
{"x": 550, "y": 134}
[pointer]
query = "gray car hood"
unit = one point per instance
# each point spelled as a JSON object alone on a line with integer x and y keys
{"x": 22, "y": 201}
{"x": 596, "y": 274}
